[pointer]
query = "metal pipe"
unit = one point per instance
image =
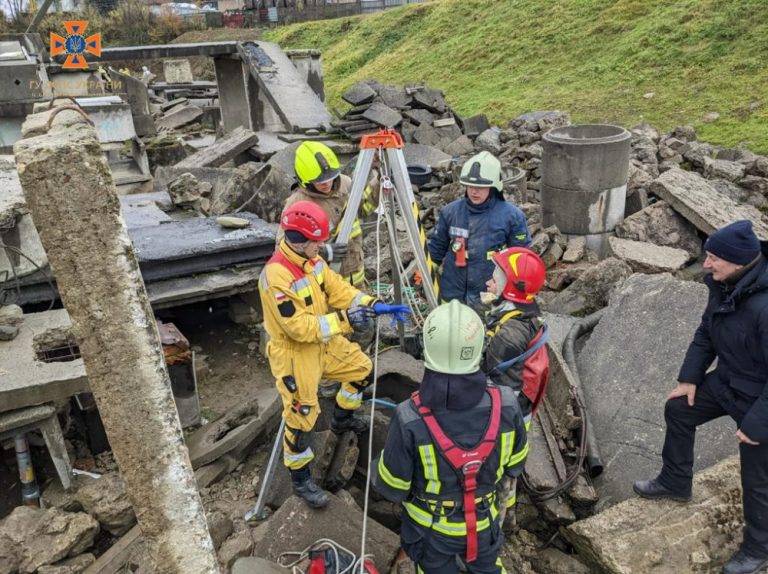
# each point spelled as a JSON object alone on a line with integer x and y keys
{"x": 30, "y": 493}
{"x": 257, "y": 512}
{"x": 585, "y": 325}
{"x": 39, "y": 16}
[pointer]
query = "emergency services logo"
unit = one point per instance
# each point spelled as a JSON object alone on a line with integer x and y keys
{"x": 76, "y": 44}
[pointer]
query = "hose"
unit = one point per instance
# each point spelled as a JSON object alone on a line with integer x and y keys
{"x": 594, "y": 460}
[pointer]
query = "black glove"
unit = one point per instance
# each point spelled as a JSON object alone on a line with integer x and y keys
{"x": 335, "y": 251}
{"x": 360, "y": 317}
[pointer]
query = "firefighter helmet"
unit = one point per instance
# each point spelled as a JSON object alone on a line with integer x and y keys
{"x": 315, "y": 162}
{"x": 453, "y": 339}
{"x": 307, "y": 218}
{"x": 482, "y": 170}
{"x": 523, "y": 274}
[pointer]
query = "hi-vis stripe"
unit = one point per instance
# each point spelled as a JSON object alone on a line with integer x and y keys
{"x": 507, "y": 442}
{"x": 429, "y": 462}
{"x": 424, "y": 247}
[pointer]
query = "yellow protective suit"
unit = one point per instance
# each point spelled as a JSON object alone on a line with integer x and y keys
{"x": 303, "y": 303}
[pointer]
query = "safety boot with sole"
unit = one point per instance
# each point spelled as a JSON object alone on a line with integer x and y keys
{"x": 743, "y": 563}
{"x": 306, "y": 488}
{"x": 345, "y": 421}
{"x": 654, "y": 490}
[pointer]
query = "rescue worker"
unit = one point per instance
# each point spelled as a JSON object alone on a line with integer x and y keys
{"x": 733, "y": 330}
{"x": 307, "y": 310}
{"x": 448, "y": 448}
{"x": 516, "y": 354}
{"x": 321, "y": 181}
{"x": 472, "y": 228}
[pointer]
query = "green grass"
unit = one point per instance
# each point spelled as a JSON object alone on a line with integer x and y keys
{"x": 593, "y": 58}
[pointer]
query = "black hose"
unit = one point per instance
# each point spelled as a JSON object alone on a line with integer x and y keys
{"x": 585, "y": 325}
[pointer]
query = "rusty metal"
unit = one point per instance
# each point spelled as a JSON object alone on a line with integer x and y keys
{"x": 58, "y": 109}
{"x": 61, "y": 354}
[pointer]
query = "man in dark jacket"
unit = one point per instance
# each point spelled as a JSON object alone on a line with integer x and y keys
{"x": 484, "y": 425}
{"x": 734, "y": 329}
{"x": 469, "y": 230}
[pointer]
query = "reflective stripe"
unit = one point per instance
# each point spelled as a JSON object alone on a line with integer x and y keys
{"x": 358, "y": 276}
{"x": 429, "y": 462}
{"x": 361, "y": 299}
{"x": 329, "y": 325}
{"x": 527, "y": 422}
{"x": 511, "y": 501}
{"x": 302, "y": 287}
{"x": 319, "y": 271}
{"x": 296, "y": 461}
{"x": 426, "y": 519}
{"x": 351, "y": 396}
{"x": 518, "y": 457}
{"x": 368, "y": 205}
{"x": 390, "y": 478}
{"x": 501, "y": 566}
{"x": 356, "y": 229}
{"x": 507, "y": 440}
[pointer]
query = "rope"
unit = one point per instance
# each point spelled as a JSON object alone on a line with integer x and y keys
{"x": 318, "y": 545}
{"x": 16, "y": 278}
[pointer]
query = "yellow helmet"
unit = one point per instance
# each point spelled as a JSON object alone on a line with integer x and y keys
{"x": 315, "y": 162}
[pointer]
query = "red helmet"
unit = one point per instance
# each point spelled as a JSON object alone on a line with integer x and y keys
{"x": 307, "y": 218}
{"x": 524, "y": 274}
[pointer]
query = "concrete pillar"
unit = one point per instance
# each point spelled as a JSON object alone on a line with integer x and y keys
{"x": 237, "y": 97}
{"x": 309, "y": 63}
{"x": 72, "y": 198}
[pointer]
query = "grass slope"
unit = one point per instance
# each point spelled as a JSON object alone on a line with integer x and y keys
{"x": 593, "y": 58}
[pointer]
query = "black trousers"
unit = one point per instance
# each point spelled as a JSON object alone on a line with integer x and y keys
{"x": 677, "y": 472}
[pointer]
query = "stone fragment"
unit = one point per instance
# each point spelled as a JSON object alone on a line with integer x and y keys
{"x": 419, "y": 116}
{"x": 222, "y": 150}
{"x": 758, "y": 167}
{"x": 490, "y": 141}
{"x": 710, "y": 117}
{"x": 393, "y": 96}
{"x": 591, "y": 290}
{"x": 737, "y": 193}
{"x": 475, "y": 125}
{"x": 295, "y": 525}
{"x": 696, "y": 152}
{"x": 654, "y": 537}
{"x": 646, "y": 130}
{"x": 432, "y": 100}
{"x": 105, "y": 499}
{"x": 74, "y": 565}
{"x": 230, "y": 222}
{"x": 575, "y": 249}
{"x": 359, "y": 93}
{"x": 11, "y": 318}
{"x": 178, "y": 118}
{"x": 187, "y": 192}
{"x": 660, "y": 224}
{"x": 444, "y": 122}
{"x": 220, "y": 527}
{"x": 253, "y": 565}
{"x": 695, "y": 199}
{"x": 723, "y": 169}
{"x": 237, "y": 546}
{"x": 685, "y": 133}
{"x": 553, "y": 561}
{"x": 755, "y": 184}
{"x": 645, "y": 257}
{"x": 460, "y": 146}
{"x": 177, "y": 71}
{"x": 625, "y": 391}
{"x": 382, "y": 115}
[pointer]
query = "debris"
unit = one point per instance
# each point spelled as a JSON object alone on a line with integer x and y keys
{"x": 105, "y": 499}
{"x": 723, "y": 169}
{"x": 382, "y": 115}
{"x": 41, "y": 537}
{"x": 645, "y": 257}
{"x": 74, "y": 565}
{"x": 237, "y": 546}
{"x": 661, "y": 225}
{"x": 490, "y": 141}
{"x": 625, "y": 391}
{"x": 475, "y": 125}
{"x": 233, "y": 222}
{"x": 251, "y": 565}
{"x": 294, "y": 526}
{"x": 634, "y": 537}
{"x": 177, "y": 71}
{"x": 591, "y": 290}
{"x": 11, "y": 318}
{"x": 188, "y": 193}
{"x": 575, "y": 249}
{"x": 360, "y": 93}
{"x": 129, "y": 550}
{"x": 179, "y": 117}
{"x": 220, "y": 526}
{"x": 224, "y": 149}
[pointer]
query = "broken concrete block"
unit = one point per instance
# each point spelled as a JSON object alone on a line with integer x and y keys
{"x": 393, "y": 96}
{"x": 41, "y": 537}
{"x": 229, "y": 222}
{"x": 696, "y": 152}
{"x": 660, "y": 224}
{"x": 591, "y": 290}
{"x": 74, "y": 565}
{"x": 237, "y": 546}
{"x": 576, "y": 249}
{"x": 653, "y": 536}
{"x": 27, "y": 240}
{"x": 342, "y": 466}
{"x": 295, "y": 525}
{"x": 253, "y": 565}
{"x": 475, "y": 125}
{"x": 625, "y": 391}
{"x": 429, "y": 99}
{"x": 177, "y": 71}
{"x": 219, "y": 526}
{"x": 416, "y": 153}
{"x": 490, "y": 140}
{"x": 359, "y": 93}
{"x": 419, "y": 116}
{"x": 722, "y": 169}
{"x": 224, "y": 149}
{"x": 444, "y": 122}
{"x": 105, "y": 499}
{"x": 645, "y": 257}
{"x": 177, "y": 118}
{"x": 695, "y": 199}
{"x": 382, "y": 115}
{"x": 462, "y": 145}
{"x": 11, "y": 318}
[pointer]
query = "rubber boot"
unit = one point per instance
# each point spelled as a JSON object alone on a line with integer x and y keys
{"x": 344, "y": 421}
{"x": 306, "y": 488}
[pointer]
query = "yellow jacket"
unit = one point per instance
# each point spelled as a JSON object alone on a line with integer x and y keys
{"x": 304, "y": 300}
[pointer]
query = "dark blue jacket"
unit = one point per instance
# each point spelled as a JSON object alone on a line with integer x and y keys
{"x": 734, "y": 329}
{"x": 491, "y": 226}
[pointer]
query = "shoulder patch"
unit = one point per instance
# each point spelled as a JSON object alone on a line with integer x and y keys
{"x": 286, "y": 308}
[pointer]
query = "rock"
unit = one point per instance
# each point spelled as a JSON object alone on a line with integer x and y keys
{"x": 416, "y": 153}
{"x": 252, "y": 565}
{"x": 382, "y": 115}
{"x": 696, "y": 152}
{"x": 461, "y": 146}
{"x": 575, "y": 250}
{"x": 737, "y": 193}
{"x": 648, "y": 536}
{"x": 758, "y": 167}
{"x": 230, "y": 222}
{"x": 74, "y": 565}
{"x": 695, "y": 199}
{"x": 440, "y": 138}
{"x": 42, "y": 537}
{"x": 490, "y": 141}
{"x": 552, "y": 255}
{"x": 685, "y": 133}
{"x": 189, "y": 193}
{"x": 723, "y": 169}
{"x": 755, "y": 184}
{"x": 295, "y": 526}
{"x": 590, "y": 291}
{"x": 179, "y": 117}
{"x": 393, "y": 96}
{"x": 661, "y": 225}
{"x": 431, "y": 100}
{"x": 220, "y": 527}
{"x": 359, "y": 93}
{"x": 737, "y": 154}
{"x": 11, "y": 318}
{"x": 553, "y": 561}
{"x": 645, "y": 257}
{"x": 625, "y": 391}
{"x": 177, "y": 71}
{"x": 257, "y": 188}
{"x": 710, "y": 117}
{"x": 237, "y": 546}
{"x": 474, "y": 126}
{"x": 646, "y": 130}
{"x": 539, "y": 243}
{"x": 105, "y": 499}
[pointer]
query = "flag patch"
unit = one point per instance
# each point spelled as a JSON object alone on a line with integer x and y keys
{"x": 279, "y": 295}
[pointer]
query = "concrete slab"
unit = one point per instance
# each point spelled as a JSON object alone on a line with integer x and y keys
{"x": 419, "y": 116}
{"x": 26, "y": 380}
{"x": 177, "y": 71}
{"x": 177, "y": 118}
{"x": 695, "y": 199}
{"x": 416, "y": 153}
{"x": 645, "y": 257}
{"x": 383, "y": 115}
{"x": 223, "y": 150}
{"x": 359, "y": 93}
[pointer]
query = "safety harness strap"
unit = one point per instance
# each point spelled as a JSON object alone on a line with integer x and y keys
{"x": 467, "y": 463}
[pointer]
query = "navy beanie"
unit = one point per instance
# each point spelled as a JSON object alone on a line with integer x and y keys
{"x": 736, "y": 243}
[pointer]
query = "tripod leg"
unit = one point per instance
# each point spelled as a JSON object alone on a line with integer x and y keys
{"x": 257, "y": 512}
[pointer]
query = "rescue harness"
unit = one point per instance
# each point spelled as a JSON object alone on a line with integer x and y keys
{"x": 466, "y": 462}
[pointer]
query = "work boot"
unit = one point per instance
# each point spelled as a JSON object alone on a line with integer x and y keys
{"x": 306, "y": 488}
{"x": 344, "y": 420}
{"x": 654, "y": 490}
{"x": 744, "y": 563}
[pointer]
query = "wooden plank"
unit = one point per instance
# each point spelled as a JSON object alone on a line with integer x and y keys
{"x": 228, "y": 147}
{"x": 115, "y": 558}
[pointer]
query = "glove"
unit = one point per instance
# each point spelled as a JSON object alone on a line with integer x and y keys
{"x": 335, "y": 251}
{"x": 400, "y": 313}
{"x": 360, "y": 317}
